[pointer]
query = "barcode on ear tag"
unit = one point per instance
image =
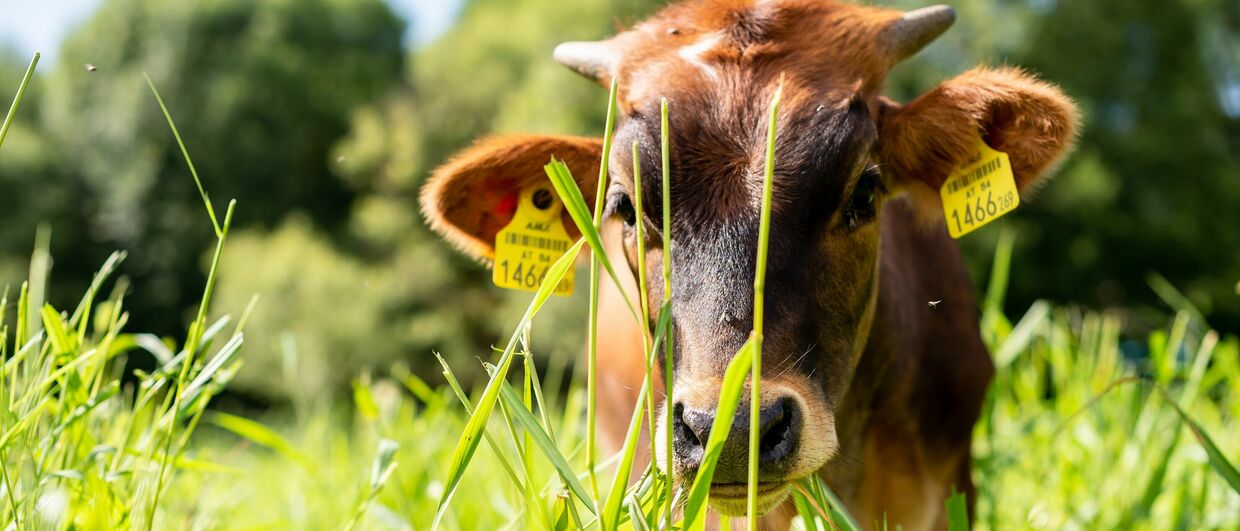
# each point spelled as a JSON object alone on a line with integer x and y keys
{"x": 981, "y": 190}
{"x": 526, "y": 248}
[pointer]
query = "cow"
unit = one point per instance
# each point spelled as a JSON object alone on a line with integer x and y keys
{"x": 874, "y": 372}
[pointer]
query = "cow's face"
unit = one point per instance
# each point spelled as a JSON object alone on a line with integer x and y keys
{"x": 842, "y": 151}
{"x": 821, "y": 276}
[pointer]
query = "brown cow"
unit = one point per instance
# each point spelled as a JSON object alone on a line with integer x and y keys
{"x": 865, "y": 382}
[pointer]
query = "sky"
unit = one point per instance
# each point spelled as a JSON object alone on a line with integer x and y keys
{"x": 27, "y": 26}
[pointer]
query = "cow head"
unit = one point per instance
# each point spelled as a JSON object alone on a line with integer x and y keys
{"x": 843, "y": 151}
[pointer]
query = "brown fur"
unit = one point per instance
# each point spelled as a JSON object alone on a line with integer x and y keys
{"x": 901, "y": 381}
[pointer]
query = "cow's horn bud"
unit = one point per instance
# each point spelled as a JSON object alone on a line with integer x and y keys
{"x": 595, "y": 59}
{"x": 917, "y": 28}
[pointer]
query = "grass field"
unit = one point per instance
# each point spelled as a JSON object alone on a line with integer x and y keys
{"x": 1083, "y": 428}
{"x": 1052, "y": 451}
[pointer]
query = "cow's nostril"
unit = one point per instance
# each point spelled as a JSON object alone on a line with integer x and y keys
{"x": 692, "y": 426}
{"x": 681, "y": 431}
{"x": 689, "y": 435}
{"x": 777, "y": 426}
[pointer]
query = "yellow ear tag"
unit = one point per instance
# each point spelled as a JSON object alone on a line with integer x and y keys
{"x": 532, "y": 241}
{"x": 980, "y": 191}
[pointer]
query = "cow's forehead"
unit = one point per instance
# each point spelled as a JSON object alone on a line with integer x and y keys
{"x": 701, "y": 46}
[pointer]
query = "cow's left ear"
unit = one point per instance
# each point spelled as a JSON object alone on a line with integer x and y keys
{"x": 1014, "y": 112}
{"x": 472, "y": 197}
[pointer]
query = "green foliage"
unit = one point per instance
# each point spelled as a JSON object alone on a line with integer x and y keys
{"x": 1152, "y": 182}
{"x": 76, "y": 452}
{"x": 28, "y": 170}
{"x": 1063, "y": 443}
{"x": 1108, "y": 444}
{"x": 342, "y": 315}
{"x": 418, "y": 295}
{"x": 1158, "y": 156}
{"x": 1066, "y": 434}
{"x": 269, "y": 87}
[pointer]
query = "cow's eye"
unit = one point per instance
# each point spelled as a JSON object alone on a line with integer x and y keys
{"x": 624, "y": 210}
{"x": 862, "y": 207}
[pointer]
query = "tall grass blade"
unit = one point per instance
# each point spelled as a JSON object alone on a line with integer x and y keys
{"x": 469, "y": 409}
{"x": 209, "y": 371}
{"x": 1173, "y": 297}
{"x": 600, "y": 198}
{"x": 206, "y": 200}
{"x": 635, "y": 514}
{"x": 665, "y": 148}
{"x": 261, "y": 435}
{"x": 81, "y": 315}
{"x": 1217, "y": 460}
{"x": 759, "y": 289}
{"x": 729, "y": 399}
{"x": 642, "y": 293}
{"x": 810, "y": 519}
{"x": 610, "y": 518}
{"x": 570, "y": 194}
{"x": 17, "y": 100}
{"x": 57, "y": 332}
{"x": 380, "y": 470}
{"x": 36, "y": 295}
{"x": 468, "y": 443}
{"x": 1018, "y": 341}
{"x": 544, "y": 443}
{"x": 994, "y": 323}
{"x": 836, "y": 513}
{"x": 957, "y": 512}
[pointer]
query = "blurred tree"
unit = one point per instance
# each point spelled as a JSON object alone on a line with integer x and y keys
{"x": 478, "y": 78}
{"x": 260, "y": 92}
{"x": 1155, "y": 186}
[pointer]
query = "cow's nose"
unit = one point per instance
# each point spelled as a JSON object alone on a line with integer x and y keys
{"x": 777, "y": 443}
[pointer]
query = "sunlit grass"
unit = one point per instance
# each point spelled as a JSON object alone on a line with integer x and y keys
{"x": 592, "y": 334}
{"x": 759, "y": 308}
{"x": 78, "y": 448}
{"x": 1052, "y": 450}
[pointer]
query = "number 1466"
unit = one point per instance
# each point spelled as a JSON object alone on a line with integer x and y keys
{"x": 983, "y": 210}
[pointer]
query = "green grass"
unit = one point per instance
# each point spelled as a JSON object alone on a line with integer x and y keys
{"x": 1052, "y": 450}
{"x": 1074, "y": 434}
{"x": 79, "y": 449}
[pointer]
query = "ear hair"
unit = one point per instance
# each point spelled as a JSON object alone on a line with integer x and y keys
{"x": 1014, "y": 112}
{"x": 470, "y": 198}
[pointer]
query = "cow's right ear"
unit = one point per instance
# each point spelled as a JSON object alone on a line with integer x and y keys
{"x": 474, "y": 196}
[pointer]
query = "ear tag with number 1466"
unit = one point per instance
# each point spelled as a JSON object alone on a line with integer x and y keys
{"x": 979, "y": 191}
{"x": 526, "y": 248}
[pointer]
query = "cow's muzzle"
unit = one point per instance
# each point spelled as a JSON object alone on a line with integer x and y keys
{"x": 796, "y": 438}
{"x": 779, "y": 431}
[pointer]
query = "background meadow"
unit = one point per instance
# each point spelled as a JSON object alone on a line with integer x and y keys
{"x": 322, "y": 117}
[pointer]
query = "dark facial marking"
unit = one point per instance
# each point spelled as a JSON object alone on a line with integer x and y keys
{"x": 824, "y": 185}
